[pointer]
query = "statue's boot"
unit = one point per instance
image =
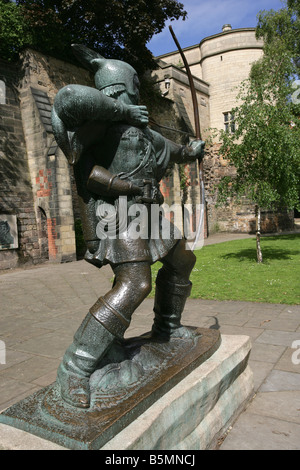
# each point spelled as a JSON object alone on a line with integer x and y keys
{"x": 91, "y": 341}
{"x": 170, "y": 299}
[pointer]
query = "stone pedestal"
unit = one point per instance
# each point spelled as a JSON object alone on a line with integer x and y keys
{"x": 190, "y": 416}
{"x": 197, "y": 410}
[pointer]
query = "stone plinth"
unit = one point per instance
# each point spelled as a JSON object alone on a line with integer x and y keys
{"x": 190, "y": 416}
{"x": 197, "y": 410}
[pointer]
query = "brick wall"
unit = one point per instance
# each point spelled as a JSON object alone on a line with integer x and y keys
{"x": 37, "y": 183}
{"x": 236, "y": 217}
{"x": 16, "y": 195}
{"x": 51, "y": 176}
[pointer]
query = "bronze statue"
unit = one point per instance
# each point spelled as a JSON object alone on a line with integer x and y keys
{"x": 103, "y": 132}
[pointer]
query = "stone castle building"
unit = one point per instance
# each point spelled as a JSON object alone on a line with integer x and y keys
{"x": 38, "y": 204}
{"x": 219, "y": 64}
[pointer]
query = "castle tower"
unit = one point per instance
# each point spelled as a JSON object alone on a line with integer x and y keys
{"x": 222, "y": 61}
{"x": 225, "y": 61}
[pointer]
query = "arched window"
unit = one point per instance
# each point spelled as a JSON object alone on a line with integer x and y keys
{"x": 2, "y": 92}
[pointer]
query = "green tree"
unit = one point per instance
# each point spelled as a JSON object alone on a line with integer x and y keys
{"x": 265, "y": 149}
{"x": 115, "y": 28}
{"x": 283, "y": 24}
{"x": 13, "y": 30}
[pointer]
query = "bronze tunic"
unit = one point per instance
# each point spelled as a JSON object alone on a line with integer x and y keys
{"x": 141, "y": 156}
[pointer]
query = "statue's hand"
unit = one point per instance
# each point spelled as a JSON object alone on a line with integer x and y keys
{"x": 137, "y": 115}
{"x": 194, "y": 150}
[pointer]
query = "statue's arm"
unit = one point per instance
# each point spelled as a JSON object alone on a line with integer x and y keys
{"x": 104, "y": 183}
{"x": 77, "y": 104}
{"x": 186, "y": 153}
{"x": 80, "y": 115}
{"x": 179, "y": 153}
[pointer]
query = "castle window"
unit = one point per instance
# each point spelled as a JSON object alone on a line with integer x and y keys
{"x": 229, "y": 124}
{"x": 2, "y": 92}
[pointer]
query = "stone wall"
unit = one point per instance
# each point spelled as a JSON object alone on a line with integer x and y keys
{"x": 37, "y": 183}
{"x": 225, "y": 72}
{"x": 178, "y": 90}
{"x": 236, "y": 217}
{"x": 16, "y": 195}
{"x": 51, "y": 176}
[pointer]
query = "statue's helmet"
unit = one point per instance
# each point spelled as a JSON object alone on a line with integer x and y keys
{"x": 108, "y": 72}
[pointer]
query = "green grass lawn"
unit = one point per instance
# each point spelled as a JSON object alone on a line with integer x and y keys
{"x": 229, "y": 271}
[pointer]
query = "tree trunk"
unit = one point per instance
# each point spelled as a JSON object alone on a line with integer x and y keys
{"x": 258, "y": 248}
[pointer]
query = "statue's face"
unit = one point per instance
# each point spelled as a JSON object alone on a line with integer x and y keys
{"x": 132, "y": 97}
{"x": 112, "y": 72}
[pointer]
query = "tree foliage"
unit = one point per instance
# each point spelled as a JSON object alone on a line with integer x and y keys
{"x": 265, "y": 148}
{"x": 283, "y": 24}
{"x": 13, "y": 30}
{"x": 115, "y": 28}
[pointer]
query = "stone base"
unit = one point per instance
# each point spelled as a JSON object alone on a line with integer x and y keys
{"x": 197, "y": 410}
{"x": 133, "y": 375}
{"x": 190, "y": 416}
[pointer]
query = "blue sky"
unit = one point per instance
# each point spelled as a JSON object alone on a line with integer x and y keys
{"x": 206, "y": 17}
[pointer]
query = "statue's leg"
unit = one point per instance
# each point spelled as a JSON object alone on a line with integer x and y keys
{"x": 131, "y": 286}
{"x": 172, "y": 289}
{"x": 107, "y": 319}
{"x": 90, "y": 343}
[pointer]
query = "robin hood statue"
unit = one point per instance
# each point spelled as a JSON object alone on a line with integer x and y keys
{"x": 103, "y": 132}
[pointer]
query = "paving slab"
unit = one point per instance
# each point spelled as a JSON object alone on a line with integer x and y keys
{"x": 261, "y": 370}
{"x": 293, "y": 310}
{"x": 15, "y": 439}
{"x": 290, "y": 360}
{"x": 12, "y": 390}
{"x": 280, "y": 405}
{"x": 277, "y": 324}
{"x": 256, "y": 432}
{"x": 31, "y": 369}
{"x": 279, "y": 380}
{"x": 280, "y": 338}
{"x": 254, "y": 333}
{"x": 267, "y": 352}
{"x": 53, "y": 344}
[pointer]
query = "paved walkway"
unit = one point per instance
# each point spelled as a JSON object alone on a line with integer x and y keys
{"x": 42, "y": 307}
